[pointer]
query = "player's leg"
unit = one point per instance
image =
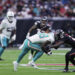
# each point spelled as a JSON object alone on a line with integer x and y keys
{"x": 67, "y": 58}
{"x": 37, "y": 56}
{"x": 23, "y": 53}
{"x": 35, "y": 53}
{"x": 72, "y": 56}
{"x": 1, "y": 51}
{"x": 25, "y": 50}
{"x": 4, "y": 43}
{"x": 32, "y": 54}
{"x": 72, "y": 59}
{"x": 39, "y": 53}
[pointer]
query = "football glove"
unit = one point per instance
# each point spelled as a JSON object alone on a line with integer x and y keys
{"x": 47, "y": 50}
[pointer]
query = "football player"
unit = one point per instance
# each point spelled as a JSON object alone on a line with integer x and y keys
{"x": 65, "y": 38}
{"x": 40, "y": 26}
{"x": 7, "y": 31}
{"x": 36, "y": 43}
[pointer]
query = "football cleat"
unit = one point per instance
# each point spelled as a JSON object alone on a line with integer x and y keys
{"x": 65, "y": 70}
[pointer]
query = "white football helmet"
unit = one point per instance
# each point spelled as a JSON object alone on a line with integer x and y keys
{"x": 10, "y": 16}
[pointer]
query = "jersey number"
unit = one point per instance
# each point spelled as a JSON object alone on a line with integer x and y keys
{"x": 10, "y": 29}
{"x": 43, "y": 35}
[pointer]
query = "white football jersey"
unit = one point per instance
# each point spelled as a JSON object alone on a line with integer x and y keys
{"x": 7, "y": 27}
{"x": 42, "y": 37}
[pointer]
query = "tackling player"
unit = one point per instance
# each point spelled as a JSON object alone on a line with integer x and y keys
{"x": 7, "y": 31}
{"x": 37, "y": 43}
{"x": 65, "y": 38}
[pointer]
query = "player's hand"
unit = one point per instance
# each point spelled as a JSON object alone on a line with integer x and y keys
{"x": 13, "y": 37}
{"x": 49, "y": 53}
{"x": 47, "y": 50}
{"x": 21, "y": 46}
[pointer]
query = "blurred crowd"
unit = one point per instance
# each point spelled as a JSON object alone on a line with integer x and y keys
{"x": 38, "y": 8}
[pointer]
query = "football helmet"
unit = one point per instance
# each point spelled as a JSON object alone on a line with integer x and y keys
{"x": 10, "y": 16}
{"x": 44, "y": 20}
{"x": 59, "y": 33}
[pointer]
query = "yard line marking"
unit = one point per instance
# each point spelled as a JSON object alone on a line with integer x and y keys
{"x": 59, "y": 53}
{"x": 41, "y": 64}
{"x": 5, "y": 64}
{"x": 54, "y": 64}
{"x": 46, "y": 64}
{"x": 47, "y": 68}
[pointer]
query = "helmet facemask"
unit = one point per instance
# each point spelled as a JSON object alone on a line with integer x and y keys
{"x": 44, "y": 21}
{"x": 10, "y": 18}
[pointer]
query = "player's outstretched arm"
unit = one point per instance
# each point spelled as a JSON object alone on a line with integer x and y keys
{"x": 57, "y": 44}
{"x": 45, "y": 47}
{"x": 30, "y": 30}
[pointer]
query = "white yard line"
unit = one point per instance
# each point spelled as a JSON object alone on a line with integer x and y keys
{"x": 58, "y": 53}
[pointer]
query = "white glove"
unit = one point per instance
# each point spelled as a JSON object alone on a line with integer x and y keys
{"x": 49, "y": 53}
{"x": 28, "y": 35}
{"x": 21, "y": 46}
{"x": 13, "y": 38}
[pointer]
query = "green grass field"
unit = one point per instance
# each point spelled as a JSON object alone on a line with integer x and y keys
{"x": 6, "y": 66}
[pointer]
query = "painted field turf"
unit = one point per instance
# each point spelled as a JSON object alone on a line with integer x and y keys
{"x": 53, "y": 64}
